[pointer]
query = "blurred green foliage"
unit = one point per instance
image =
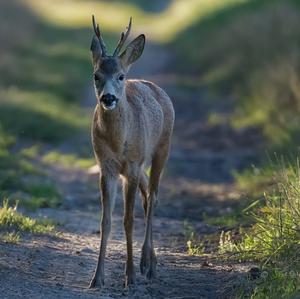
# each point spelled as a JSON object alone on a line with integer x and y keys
{"x": 250, "y": 52}
{"x": 43, "y": 71}
{"x": 68, "y": 160}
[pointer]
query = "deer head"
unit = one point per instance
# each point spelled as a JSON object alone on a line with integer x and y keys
{"x": 110, "y": 70}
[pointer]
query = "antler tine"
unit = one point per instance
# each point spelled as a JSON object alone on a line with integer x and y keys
{"x": 123, "y": 38}
{"x": 98, "y": 34}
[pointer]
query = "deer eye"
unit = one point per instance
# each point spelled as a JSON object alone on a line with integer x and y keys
{"x": 121, "y": 77}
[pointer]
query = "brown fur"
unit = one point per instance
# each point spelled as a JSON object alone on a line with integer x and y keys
{"x": 133, "y": 131}
{"x": 134, "y": 135}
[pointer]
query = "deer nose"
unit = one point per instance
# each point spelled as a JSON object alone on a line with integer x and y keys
{"x": 108, "y": 99}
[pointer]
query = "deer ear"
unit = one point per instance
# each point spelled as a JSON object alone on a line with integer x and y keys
{"x": 133, "y": 51}
{"x": 95, "y": 49}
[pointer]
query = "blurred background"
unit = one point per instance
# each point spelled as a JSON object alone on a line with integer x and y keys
{"x": 231, "y": 67}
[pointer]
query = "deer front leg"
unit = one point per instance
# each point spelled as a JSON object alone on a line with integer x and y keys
{"x": 130, "y": 187}
{"x": 148, "y": 258}
{"x": 108, "y": 190}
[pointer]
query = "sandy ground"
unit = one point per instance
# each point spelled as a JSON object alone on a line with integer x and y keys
{"x": 197, "y": 180}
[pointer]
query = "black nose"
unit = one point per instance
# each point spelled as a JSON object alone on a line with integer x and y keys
{"x": 108, "y": 99}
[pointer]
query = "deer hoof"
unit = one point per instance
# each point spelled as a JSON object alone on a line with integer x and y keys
{"x": 151, "y": 273}
{"x": 129, "y": 280}
{"x": 148, "y": 263}
{"x": 96, "y": 282}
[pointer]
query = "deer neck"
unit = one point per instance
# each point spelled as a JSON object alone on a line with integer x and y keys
{"x": 113, "y": 123}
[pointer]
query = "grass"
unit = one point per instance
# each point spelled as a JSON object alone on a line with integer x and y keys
{"x": 53, "y": 157}
{"x": 229, "y": 220}
{"x": 12, "y": 223}
{"x": 42, "y": 196}
{"x": 276, "y": 231}
{"x": 240, "y": 49}
{"x": 248, "y": 53}
{"x": 275, "y": 283}
{"x": 193, "y": 243}
{"x": 23, "y": 179}
{"x": 44, "y": 70}
{"x": 265, "y": 232}
{"x": 239, "y": 53}
{"x": 195, "y": 248}
{"x": 274, "y": 238}
{"x": 160, "y": 26}
{"x": 44, "y": 76}
{"x": 39, "y": 116}
{"x": 11, "y": 219}
{"x": 34, "y": 203}
{"x": 255, "y": 180}
{"x": 68, "y": 160}
{"x": 13, "y": 167}
{"x": 12, "y": 237}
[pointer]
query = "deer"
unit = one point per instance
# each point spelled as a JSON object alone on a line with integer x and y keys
{"x": 131, "y": 131}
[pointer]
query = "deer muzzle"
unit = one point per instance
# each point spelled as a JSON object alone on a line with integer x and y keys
{"x": 108, "y": 101}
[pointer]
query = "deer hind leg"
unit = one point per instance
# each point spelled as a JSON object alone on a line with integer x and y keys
{"x": 148, "y": 258}
{"x": 130, "y": 186}
{"x": 108, "y": 191}
{"x": 143, "y": 188}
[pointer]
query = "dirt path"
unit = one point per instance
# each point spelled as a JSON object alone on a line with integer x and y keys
{"x": 197, "y": 180}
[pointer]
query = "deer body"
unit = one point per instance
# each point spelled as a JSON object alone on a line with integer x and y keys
{"x": 132, "y": 128}
{"x": 132, "y": 132}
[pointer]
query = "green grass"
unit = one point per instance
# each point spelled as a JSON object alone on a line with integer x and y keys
{"x": 272, "y": 283}
{"x": 274, "y": 238}
{"x": 44, "y": 69}
{"x": 13, "y": 168}
{"x": 228, "y": 220}
{"x": 42, "y": 196}
{"x": 193, "y": 243}
{"x": 40, "y": 116}
{"x": 12, "y": 223}
{"x": 265, "y": 232}
{"x": 249, "y": 51}
{"x": 255, "y": 180}
{"x": 23, "y": 179}
{"x": 12, "y": 237}
{"x": 195, "y": 248}
{"x": 276, "y": 231}
{"x": 34, "y": 203}
{"x": 53, "y": 157}
{"x": 68, "y": 160}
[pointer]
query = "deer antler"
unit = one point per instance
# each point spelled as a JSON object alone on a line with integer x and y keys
{"x": 98, "y": 34}
{"x": 124, "y": 36}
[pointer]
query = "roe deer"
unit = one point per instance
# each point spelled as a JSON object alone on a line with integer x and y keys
{"x": 132, "y": 127}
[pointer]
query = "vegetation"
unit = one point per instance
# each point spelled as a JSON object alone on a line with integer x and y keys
{"x": 274, "y": 238}
{"x": 162, "y": 25}
{"x": 12, "y": 223}
{"x": 12, "y": 237}
{"x": 270, "y": 236}
{"x": 44, "y": 76}
{"x": 242, "y": 51}
{"x": 248, "y": 54}
{"x": 22, "y": 179}
{"x": 68, "y": 160}
{"x": 249, "y": 51}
